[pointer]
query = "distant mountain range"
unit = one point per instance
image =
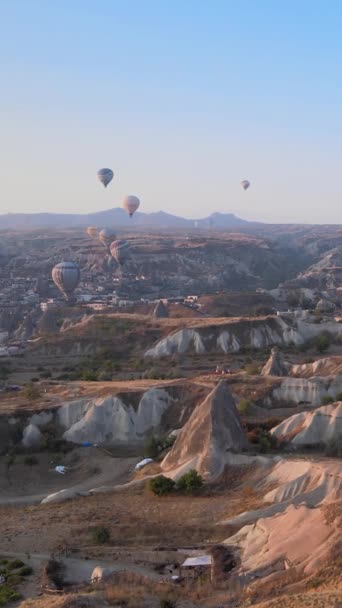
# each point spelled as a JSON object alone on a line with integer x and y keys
{"x": 117, "y": 217}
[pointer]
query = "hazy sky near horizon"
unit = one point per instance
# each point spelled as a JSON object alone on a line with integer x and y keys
{"x": 182, "y": 98}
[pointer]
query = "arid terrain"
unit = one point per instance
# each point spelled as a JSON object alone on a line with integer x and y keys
{"x": 233, "y": 396}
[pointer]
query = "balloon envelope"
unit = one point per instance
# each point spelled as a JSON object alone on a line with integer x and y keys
{"x": 107, "y": 236}
{"x": 245, "y": 184}
{"x": 131, "y": 204}
{"x": 92, "y": 232}
{"x": 105, "y": 176}
{"x": 66, "y": 276}
{"x": 120, "y": 251}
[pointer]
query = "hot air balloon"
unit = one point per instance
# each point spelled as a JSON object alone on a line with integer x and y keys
{"x": 120, "y": 251}
{"x": 105, "y": 176}
{"x": 107, "y": 236}
{"x": 92, "y": 232}
{"x": 131, "y": 204}
{"x": 66, "y": 276}
{"x": 245, "y": 184}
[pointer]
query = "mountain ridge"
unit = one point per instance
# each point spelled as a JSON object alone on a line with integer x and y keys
{"x": 118, "y": 217}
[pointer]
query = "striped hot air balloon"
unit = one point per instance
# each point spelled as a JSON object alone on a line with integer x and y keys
{"x": 66, "y": 276}
{"x": 131, "y": 203}
{"x": 92, "y": 232}
{"x": 107, "y": 236}
{"x": 245, "y": 184}
{"x": 120, "y": 251}
{"x": 105, "y": 176}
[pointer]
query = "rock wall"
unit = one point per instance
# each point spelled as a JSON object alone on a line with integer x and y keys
{"x": 308, "y": 391}
{"x": 311, "y": 428}
{"x": 111, "y": 420}
{"x": 234, "y": 335}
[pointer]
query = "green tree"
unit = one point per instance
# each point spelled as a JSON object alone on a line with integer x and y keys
{"x": 190, "y": 482}
{"x": 161, "y": 485}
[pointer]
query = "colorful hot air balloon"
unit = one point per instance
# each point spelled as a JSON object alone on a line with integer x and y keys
{"x": 92, "y": 232}
{"x": 107, "y": 236}
{"x": 131, "y": 204}
{"x": 245, "y": 184}
{"x": 66, "y": 276}
{"x": 120, "y": 251}
{"x": 105, "y": 176}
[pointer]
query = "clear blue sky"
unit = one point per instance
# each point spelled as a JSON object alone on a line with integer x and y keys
{"x": 182, "y": 98}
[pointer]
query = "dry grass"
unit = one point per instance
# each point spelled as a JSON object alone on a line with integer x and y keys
{"x": 324, "y": 599}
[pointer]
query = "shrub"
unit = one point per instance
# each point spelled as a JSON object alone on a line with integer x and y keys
{"x": 30, "y": 460}
{"x": 154, "y": 446}
{"x": 262, "y": 439}
{"x": 339, "y": 397}
{"x": 25, "y": 571}
{"x": 190, "y": 482}
{"x": 8, "y": 595}
{"x": 14, "y": 579}
{"x": 167, "y": 604}
{"x": 322, "y": 343}
{"x": 89, "y": 376}
{"x": 244, "y": 406}
{"x": 31, "y": 392}
{"x": 327, "y": 399}
{"x": 101, "y": 535}
{"x": 266, "y": 441}
{"x": 161, "y": 485}
{"x": 15, "y": 564}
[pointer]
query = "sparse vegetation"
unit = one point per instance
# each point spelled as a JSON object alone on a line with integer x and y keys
{"x": 165, "y": 603}
{"x": 244, "y": 406}
{"x": 252, "y": 369}
{"x": 327, "y": 399}
{"x": 155, "y": 446}
{"x": 25, "y": 571}
{"x": 322, "y": 343}
{"x": 190, "y": 482}
{"x": 262, "y": 439}
{"x": 8, "y": 594}
{"x": 101, "y": 535}
{"x": 161, "y": 485}
{"x": 31, "y": 392}
{"x": 14, "y": 573}
{"x": 15, "y": 564}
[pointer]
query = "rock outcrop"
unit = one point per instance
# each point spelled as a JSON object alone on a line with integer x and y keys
{"x": 212, "y": 434}
{"x": 32, "y": 436}
{"x": 308, "y": 391}
{"x": 25, "y": 329}
{"x": 328, "y": 366}
{"x": 110, "y": 420}
{"x": 231, "y": 336}
{"x": 274, "y": 544}
{"x": 48, "y": 323}
{"x": 311, "y": 428}
{"x": 160, "y": 311}
{"x": 275, "y": 366}
{"x": 301, "y": 491}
